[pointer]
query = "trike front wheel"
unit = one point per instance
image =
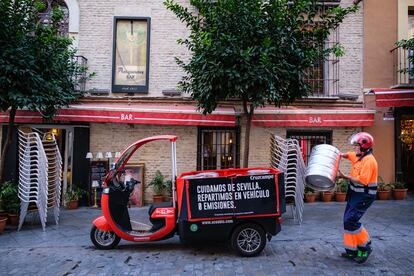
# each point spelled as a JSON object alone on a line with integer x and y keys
{"x": 104, "y": 239}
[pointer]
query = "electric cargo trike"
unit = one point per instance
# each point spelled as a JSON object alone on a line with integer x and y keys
{"x": 239, "y": 206}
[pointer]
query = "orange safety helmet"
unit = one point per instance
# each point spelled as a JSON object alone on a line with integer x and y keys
{"x": 363, "y": 139}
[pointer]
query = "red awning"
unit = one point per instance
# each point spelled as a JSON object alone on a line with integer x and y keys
{"x": 394, "y": 97}
{"x": 180, "y": 114}
{"x": 133, "y": 114}
{"x": 311, "y": 117}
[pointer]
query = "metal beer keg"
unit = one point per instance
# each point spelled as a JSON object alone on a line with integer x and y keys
{"x": 322, "y": 167}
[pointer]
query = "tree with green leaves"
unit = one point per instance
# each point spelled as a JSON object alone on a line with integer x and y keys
{"x": 257, "y": 51}
{"x": 38, "y": 69}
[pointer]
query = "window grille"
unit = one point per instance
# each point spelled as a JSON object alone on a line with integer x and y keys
{"x": 46, "y": 13}
{"x": 218, "y": 148}
{"x": 308, "y": 139}
{"x": 323, "y": 76}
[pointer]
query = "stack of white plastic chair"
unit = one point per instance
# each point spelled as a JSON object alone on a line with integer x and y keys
{"x": 54, "y": 173}
{"x": 286, "y": 156}
{"x": 33, "y": 176}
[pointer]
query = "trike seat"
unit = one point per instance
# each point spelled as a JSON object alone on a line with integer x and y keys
{"x": 159, "y": 205}
{"x": 158, "y": 223}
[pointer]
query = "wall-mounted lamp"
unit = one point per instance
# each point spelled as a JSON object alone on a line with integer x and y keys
{"x": 117, "y": 154}
{"x": 99, "y": 155}
{"x": 89, "y": 155}
{"x": 108, "y": 155}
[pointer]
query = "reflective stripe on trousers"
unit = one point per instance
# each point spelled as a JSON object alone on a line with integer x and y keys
{"x": 371, "y": 188}
{"x": 355, "y": 235}
{"x": 353, "y": 240}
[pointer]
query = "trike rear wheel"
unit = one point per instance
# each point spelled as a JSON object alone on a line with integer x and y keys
{"x": 104, "y": 239}
{"x": 248, "y": 239}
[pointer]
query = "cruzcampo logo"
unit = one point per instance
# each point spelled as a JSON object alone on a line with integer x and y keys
{"x": 193, "y": 227}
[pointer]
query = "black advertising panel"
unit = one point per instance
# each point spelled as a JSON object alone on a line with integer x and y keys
{"x": 255, "y": 195}
{"x": 240, "y": 196}
{"x": 210, "y": 197}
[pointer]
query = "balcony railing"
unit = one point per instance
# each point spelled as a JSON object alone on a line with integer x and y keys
{"x": 403, "y": 68}
{"x": 323, "y": 77}
{"x": 80, "y": 78}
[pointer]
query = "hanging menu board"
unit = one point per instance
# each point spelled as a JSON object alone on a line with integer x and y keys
{"x": 99, "y": 170}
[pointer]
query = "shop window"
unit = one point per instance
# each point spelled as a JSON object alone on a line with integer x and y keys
{"x": 218, "y": 148}
{"x": 130, "y": 64}
{"x": 308, "y": 139}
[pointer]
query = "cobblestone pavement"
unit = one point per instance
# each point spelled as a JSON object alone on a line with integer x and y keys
{"x": 312, "y": 248}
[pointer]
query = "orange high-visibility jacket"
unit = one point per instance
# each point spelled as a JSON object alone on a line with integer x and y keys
{"x": 365, "y": 170}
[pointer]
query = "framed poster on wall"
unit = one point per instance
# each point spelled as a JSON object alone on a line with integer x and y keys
{"x": 135, "y": 171}
{"x": 130, "y": 64}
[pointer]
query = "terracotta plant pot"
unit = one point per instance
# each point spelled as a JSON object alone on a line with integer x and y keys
{"x": 157, "y": 198}
{"x": 13, "y": 219}
{"x": 384, "y": 195}
{"x": 399, "y": 194}
{"x": 72, "y": 204}
{"x": 310, "y": 197}
{"x": 327, "y": 196}
{"x": 3, "y": 221}
{"x": 168, "y": 198}
{"x": 340, "y": 196}
{"x": 4, "y": 215}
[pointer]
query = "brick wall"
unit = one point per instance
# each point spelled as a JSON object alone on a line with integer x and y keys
{"x": 156, "y": 155}
{"x": 350, "y": 65}
{"x": 95, "y": 42}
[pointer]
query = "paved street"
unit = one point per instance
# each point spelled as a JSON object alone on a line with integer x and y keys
{"x": 311, "y": 248}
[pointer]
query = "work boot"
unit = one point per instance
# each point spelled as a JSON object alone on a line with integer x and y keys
{"x": 349, "y": 254}
{"x": 363, "y": 253}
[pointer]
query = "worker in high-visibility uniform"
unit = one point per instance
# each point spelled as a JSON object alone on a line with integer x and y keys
{"x": 361, "y": 194}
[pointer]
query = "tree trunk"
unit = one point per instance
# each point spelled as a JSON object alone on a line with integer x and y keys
{"x": 7, "y": 143}
{"x": 249, "y": 116}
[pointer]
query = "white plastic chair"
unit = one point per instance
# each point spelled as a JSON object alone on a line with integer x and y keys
{"x": 287, "y": 157}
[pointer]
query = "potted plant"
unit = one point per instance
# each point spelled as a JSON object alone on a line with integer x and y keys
{"x": 11, "y": 202}
{"x": 158, "y": 187}
{"x": 399, "y": 191}
{"x": 168, "y": 190}
{"x": 3, "y": 221}
{"x": 72, "y": 197}
{"x": 1, "y": 205}
{"x": 327, "y": 196}
{"x": 384, "y": 190}
{"x": 310, "y": 195}
{"x": 341, "y": 188}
